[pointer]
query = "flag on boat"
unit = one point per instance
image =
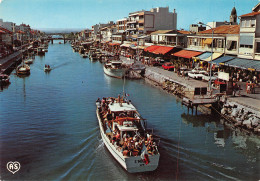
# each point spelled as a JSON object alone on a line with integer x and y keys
{"x": 144, "y": 155}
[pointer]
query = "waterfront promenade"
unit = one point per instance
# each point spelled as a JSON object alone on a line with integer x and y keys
{"x": 6, "y": 62}
{"x": 249, "y": 100}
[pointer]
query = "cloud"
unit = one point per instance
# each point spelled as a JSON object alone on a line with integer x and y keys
{"x": 1, "y": 1}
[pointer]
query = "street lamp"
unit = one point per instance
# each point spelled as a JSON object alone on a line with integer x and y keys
{"x": 200, "y": 23}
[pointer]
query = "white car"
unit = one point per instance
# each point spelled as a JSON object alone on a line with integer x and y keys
{"x": 214, "y": 76}
{"x": 194, "y": 75}
{"x": 199, "y": 70}
{"x": 184, "y": 71}
{"x": 197, "y": 73}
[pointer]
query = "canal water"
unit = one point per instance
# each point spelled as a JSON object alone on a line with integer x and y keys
{"x": 49, "y": 125}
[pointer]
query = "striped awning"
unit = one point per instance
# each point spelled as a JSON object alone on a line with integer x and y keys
{"x": 239, "y": 63}
{"x": 214, "y": 56}
{"x": 222, "y": 60}
{"x": 203, "y": 56}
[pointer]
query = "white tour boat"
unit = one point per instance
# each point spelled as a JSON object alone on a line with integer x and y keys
{"x": 114, "y": 69}
{"x": 123, "y": 132}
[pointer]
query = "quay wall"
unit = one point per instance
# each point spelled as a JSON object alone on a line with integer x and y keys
{"x": 236, "y": 115}
{"x": 9, "y": 62}
{"x": 160, "y": 79}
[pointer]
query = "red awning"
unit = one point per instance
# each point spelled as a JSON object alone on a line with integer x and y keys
{"x": 113, "y": 44}
{"x": 187, "y": 54}
{"x": 158, "y": 49}
{"x": 21, "y": 32}
{"x": 2, "y": 32}
{"x": 151, "y": 48}
{"x": 162, "y": 50}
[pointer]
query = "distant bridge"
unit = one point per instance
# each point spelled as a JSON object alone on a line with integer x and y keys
{"x": 61, "y": 37}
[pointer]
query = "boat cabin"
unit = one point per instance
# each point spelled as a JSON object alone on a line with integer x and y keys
{"x": 116, "y": 64}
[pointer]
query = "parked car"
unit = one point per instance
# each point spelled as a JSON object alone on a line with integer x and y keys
{"x": 199, "y": 70}
{"x": 155, "y": 63}
{"x": 168, "y": 66}
{"x": 195, "y": 75}
{"x": 214, "y": 76}
{"x": 184, "y": 71}
{"x": 159, "y": 59}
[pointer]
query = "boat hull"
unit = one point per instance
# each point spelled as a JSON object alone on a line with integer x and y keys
{"x": 132, "y": 164}
{"x": 117, "y": 73}
{"x": 23, "y": 70}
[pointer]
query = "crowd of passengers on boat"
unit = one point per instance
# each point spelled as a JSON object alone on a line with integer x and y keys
{"x": 131, "y": 143}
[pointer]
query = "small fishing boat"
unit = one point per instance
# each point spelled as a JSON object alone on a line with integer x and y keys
{"x": 114, "y": 69}
{"x": 28, "y": 61}
{"x": 124, "y": 134}
{"x": 47, "y": 68}
{"x": 85, "y": 55}
{"x": 40, "y": 51}
{"x": 4, "y": 79}
{"x": 23, "y": 69}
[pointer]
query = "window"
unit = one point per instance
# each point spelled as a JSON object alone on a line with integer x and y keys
{"x": 243, "y": 23}
{"x": 248, "y": 23}
{"x": 220, "y": 43}
{"x": 257, "y": 47}
{"x": 253, "y": 22}
{"x": 246, "y": 46}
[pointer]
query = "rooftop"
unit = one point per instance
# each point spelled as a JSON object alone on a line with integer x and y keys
{"x": 225, "y": 29}
{"x": 250, "y": 14}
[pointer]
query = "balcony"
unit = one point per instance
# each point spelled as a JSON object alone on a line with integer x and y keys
{"x": 131, "y": 21}
{"x": 141, "y": 21}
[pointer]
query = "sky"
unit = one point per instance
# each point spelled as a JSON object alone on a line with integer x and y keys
{"x": 83, "y": 14}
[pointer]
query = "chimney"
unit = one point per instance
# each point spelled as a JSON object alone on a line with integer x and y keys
{"x": 174, "y": 10}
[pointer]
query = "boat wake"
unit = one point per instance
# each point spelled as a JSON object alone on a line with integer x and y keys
{"x": 61, "y": 65}
{"x": 100, "y": 145}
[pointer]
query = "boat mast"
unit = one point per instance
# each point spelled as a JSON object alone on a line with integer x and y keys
{"x": 137, "y": 50}
{"x": 124, "y": 87}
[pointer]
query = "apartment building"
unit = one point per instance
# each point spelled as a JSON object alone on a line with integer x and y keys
{"x": 95, "y": 31}
{"x": 107, "y": 32}
{"x": 249, "y": 46}
{"x": 145, "y": 22}
{"x": 225, "y": 40}
{"x": 121, "y": 25}
{"x": 170, "y": 37}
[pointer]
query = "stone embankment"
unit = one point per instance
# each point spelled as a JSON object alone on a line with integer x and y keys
{"x": 241, "y": 116}
{"x": 237, "y": 115}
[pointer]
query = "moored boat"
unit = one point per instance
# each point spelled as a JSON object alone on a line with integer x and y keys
{"x": 4, "y": 79}
{"x": 23, "y": 69}
{"x": 85, "y": 55}
{"x": 124, "y": 134}
{"x": 114, "y": 69}
{"x": 28, "y": 61}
